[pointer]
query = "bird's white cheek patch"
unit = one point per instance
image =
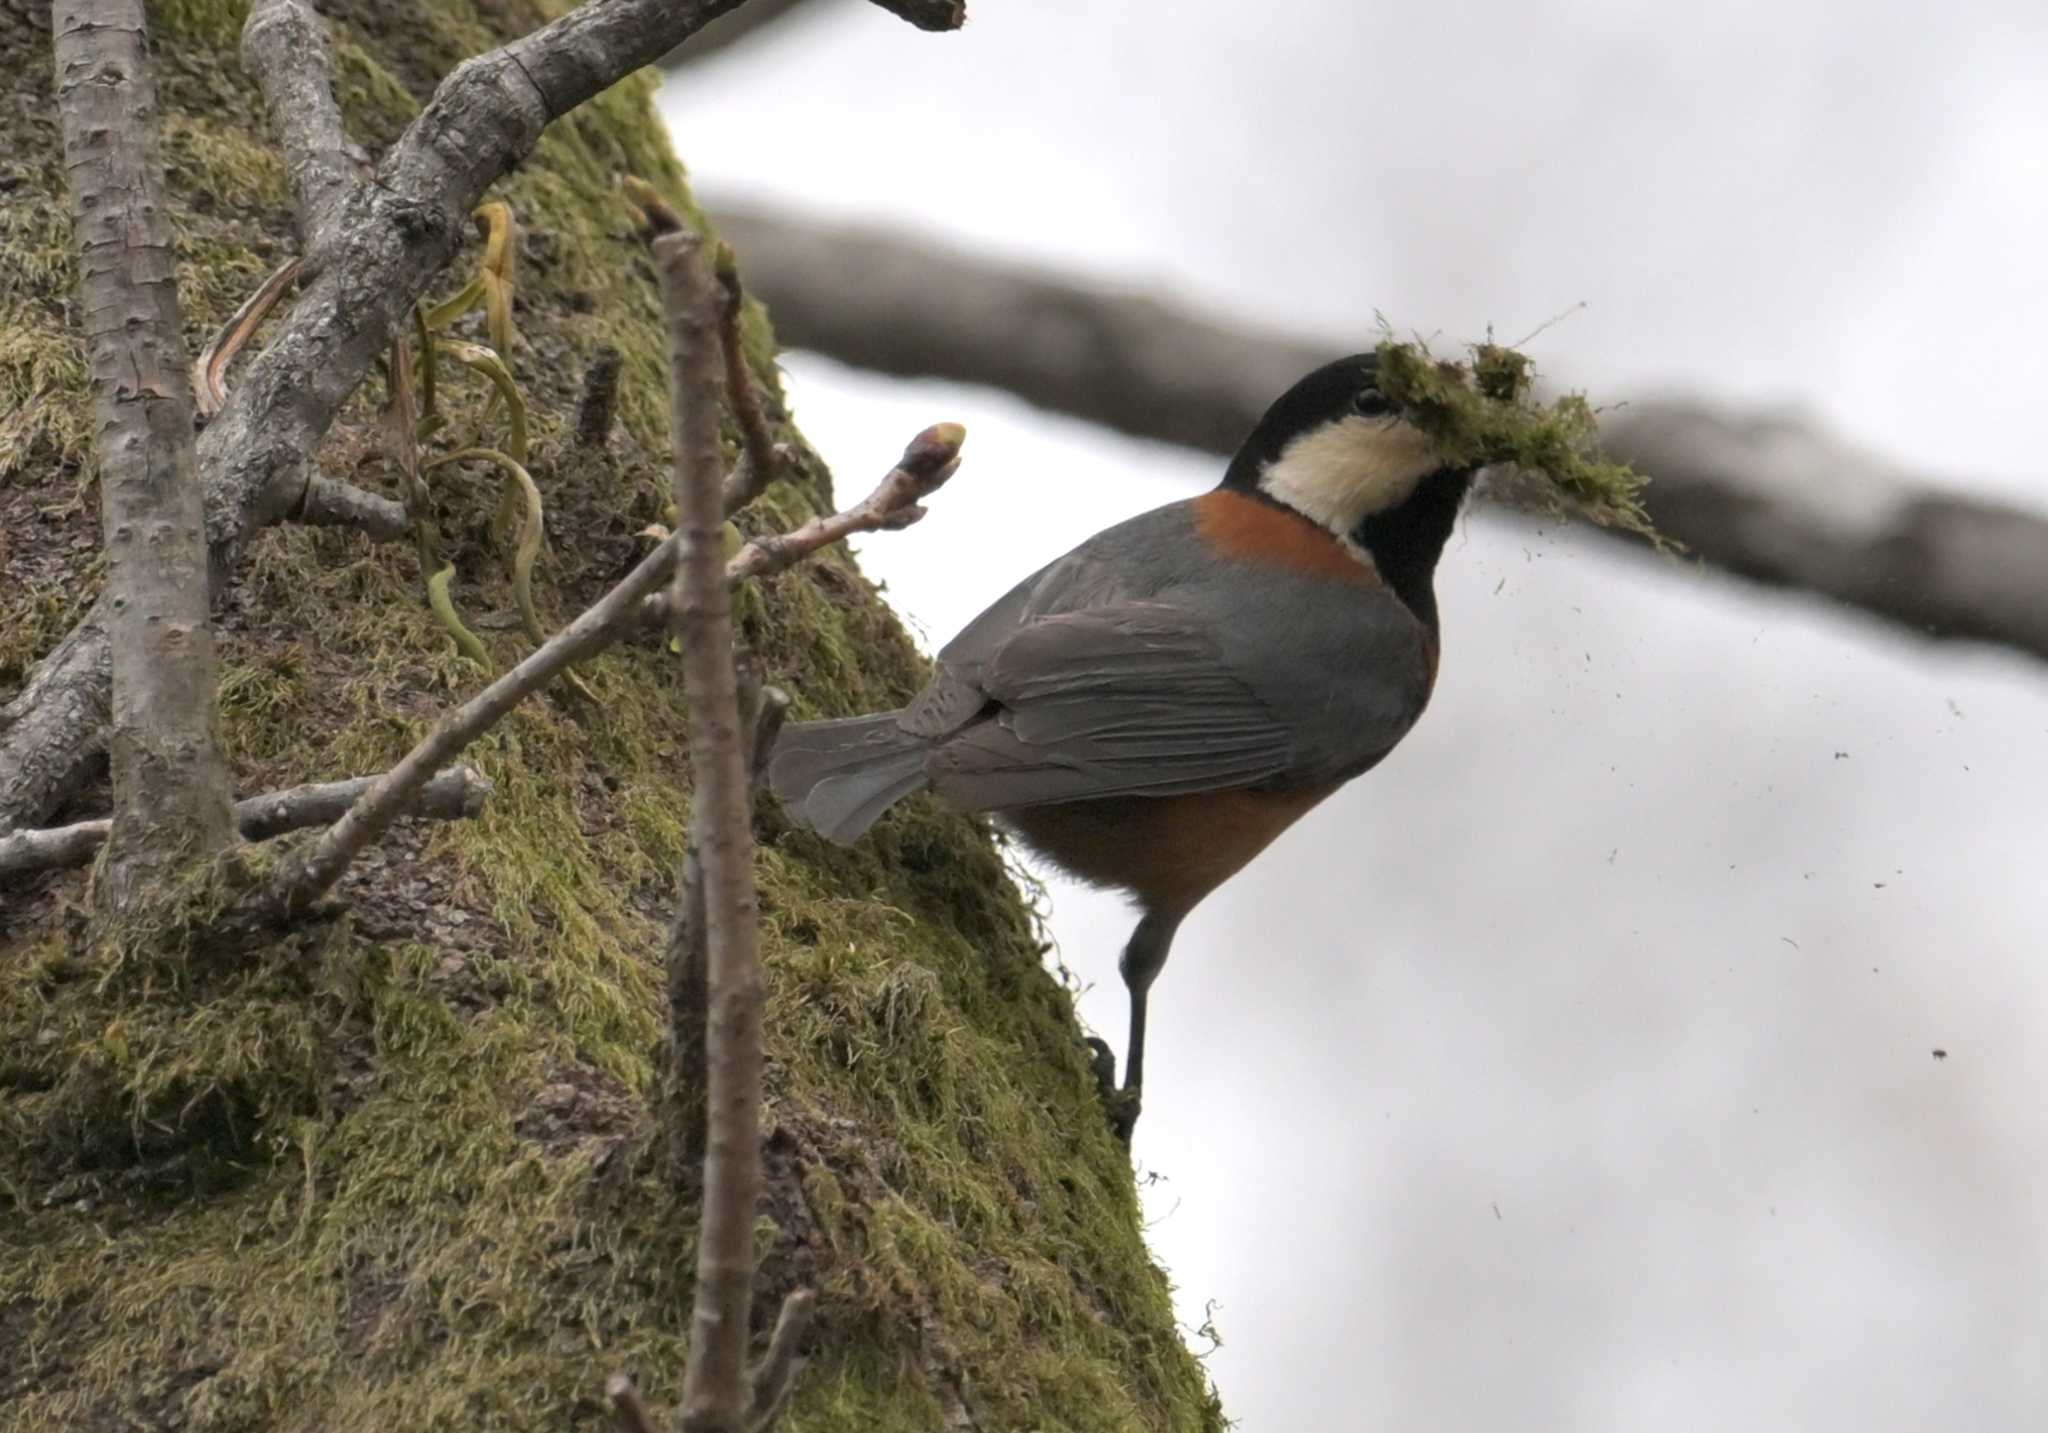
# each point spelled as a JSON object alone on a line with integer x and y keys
{"x": 1346, "y": 471}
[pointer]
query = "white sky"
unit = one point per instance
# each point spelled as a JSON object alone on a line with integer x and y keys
{"x": 1572, "y": 1070}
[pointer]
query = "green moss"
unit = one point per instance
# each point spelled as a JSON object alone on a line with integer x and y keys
{"x": 1482, "y": 413}
{"x": 391, "y": 1169}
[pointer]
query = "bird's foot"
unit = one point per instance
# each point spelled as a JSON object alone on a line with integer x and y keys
{"x": 1120, "y": 1105}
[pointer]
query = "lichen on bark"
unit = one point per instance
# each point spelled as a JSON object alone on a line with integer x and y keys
{"x": 389, "y": 1170}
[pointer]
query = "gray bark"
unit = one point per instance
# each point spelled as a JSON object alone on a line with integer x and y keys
{"x": 171, "y": 787}
{"x": 723, "y": 837}
{"x": 285, "y": 46}
{"x": 455, "y": 793}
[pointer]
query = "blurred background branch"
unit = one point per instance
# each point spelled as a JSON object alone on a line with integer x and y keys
{"x": 1769, "y": 496}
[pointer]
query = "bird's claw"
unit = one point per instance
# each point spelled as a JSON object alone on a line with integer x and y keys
{"x": 1120, "y": 1105}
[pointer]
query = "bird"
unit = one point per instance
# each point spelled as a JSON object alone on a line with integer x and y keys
{"x": 1152, "y": 709}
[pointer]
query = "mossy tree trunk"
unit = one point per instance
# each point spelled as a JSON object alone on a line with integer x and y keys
{"x": 391, "y": 1169}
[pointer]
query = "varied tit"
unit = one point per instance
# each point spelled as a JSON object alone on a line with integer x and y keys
{"x": 1152, "y": 709}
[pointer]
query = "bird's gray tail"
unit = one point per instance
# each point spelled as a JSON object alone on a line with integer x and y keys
{"x": 838, "y": 777}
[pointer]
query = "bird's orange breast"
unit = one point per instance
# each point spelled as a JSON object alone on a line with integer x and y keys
{"x": 1168, "y": 851}
{"x": 1242, "y": 528}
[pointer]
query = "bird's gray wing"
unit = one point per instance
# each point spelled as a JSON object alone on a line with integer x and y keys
{"x": 1126, "y": 700}
{"x": 1129, "y": 563}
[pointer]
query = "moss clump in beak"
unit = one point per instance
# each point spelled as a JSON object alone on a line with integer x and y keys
{"x": 1481, "y": 414}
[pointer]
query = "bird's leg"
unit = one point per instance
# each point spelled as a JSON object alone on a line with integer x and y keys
{"x": 1144, "y": 955}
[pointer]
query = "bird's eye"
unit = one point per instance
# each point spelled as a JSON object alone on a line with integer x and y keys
{"x": 1367, "y": 403}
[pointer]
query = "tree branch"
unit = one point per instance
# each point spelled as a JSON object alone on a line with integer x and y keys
{"x": 928, "y": 461}
{"x": 387, "y": 240}
{"x": 171, "y": 785}
{"x": 903, "y": 305}
{"x": 1780, "y": 501}
{"x": 686, "y": 957}
{"x": 332, "y": 503}
{"x": 928, "y": 14}
{"x": 285, "y": 47}
{"x": 453, "y": 795}
{"x": 1776, "y": 502}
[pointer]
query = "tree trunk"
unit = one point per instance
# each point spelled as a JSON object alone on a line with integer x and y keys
{"x": 395, "y": 1170}
{"x": 171, "y": 798}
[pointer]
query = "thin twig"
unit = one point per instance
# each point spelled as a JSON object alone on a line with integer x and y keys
{"x": 931, "y": 458}
{"x": 774, "y": 1377}
{"x": 302, "y": 878}
{"x": 743, "y": 485}
{"x": 305, "y": 876}
{"x": 761, "y": 714}
{"x": 455, "y": 794}
{"x": 761, "y": 461}
{"x": 1781, "y": 500}
{"x": 628, "y": 1409}
{"x": 701, "y": 611}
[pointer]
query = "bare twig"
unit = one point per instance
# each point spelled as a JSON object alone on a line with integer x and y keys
{"x": 284, "y": 45}
{"x": 628, "y": 1409}
{"x": 304, "y": 877}
{"x": 329, "y": 502}
{"x": 761, "y": 461}
{"x": 761, "y": 714}
{"x": 742, "y": 484}
{"x": 455, "y": 794}
{"x": 1781, "y": 502}
{"x": 774, "y": 1377}
{"x": 931, "y": 458}
{"x": 171, "y": 787}
{"x": 700, "y": 606}
{"x": 598, "y": 401}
